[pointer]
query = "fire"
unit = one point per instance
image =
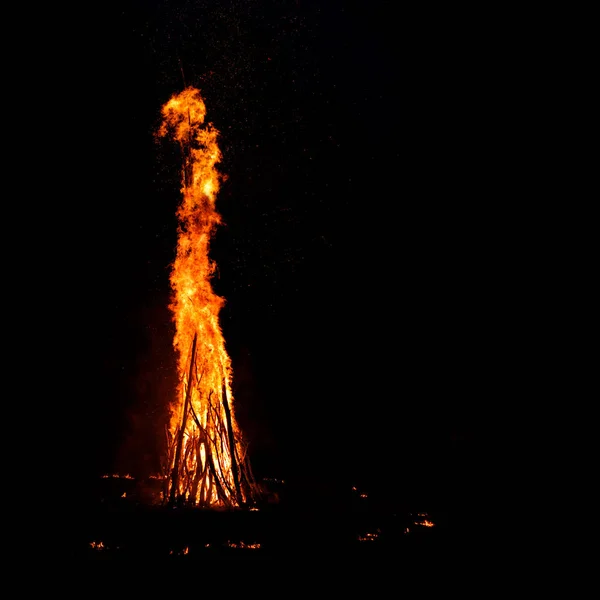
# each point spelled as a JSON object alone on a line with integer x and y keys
{"x": 207, "y": 461}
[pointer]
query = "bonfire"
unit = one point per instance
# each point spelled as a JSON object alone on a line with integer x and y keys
{"x": 207, "y": 462}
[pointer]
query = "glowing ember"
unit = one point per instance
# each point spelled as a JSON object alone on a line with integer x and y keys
{"x": 207, "y": 462}
{"x": 243, "y": 545}
{"x": 368, "y": 537}
{"x": 97, "y": 545}
{"x": 424, "y": 522}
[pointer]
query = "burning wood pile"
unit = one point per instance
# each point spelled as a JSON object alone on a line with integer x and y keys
{"x": 207, "y": 460}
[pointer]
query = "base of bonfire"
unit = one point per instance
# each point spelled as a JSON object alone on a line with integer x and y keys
{"x": 154, "y": 491}
{"x": 128, "y": 520}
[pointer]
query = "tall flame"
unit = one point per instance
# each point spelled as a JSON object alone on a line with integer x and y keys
{"x": 206, "y": 465}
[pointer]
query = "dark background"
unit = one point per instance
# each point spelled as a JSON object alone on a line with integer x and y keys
{"x": 369, "y": 243}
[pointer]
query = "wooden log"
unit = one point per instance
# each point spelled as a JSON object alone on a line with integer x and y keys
{"x": 201, "y": 473}
{"x": 188, "y": 393}
{"x": 219, "y": 487}
{"x": 232, "y": 451}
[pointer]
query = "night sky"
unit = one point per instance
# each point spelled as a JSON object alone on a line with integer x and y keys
{"x": 361, "y": 255}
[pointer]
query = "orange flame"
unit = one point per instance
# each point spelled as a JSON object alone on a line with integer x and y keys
{"x": 206, "y": 450}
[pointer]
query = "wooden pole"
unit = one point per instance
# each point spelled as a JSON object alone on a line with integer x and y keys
{"x": 234, "y": 465}
{"x": 188, "y": 393}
